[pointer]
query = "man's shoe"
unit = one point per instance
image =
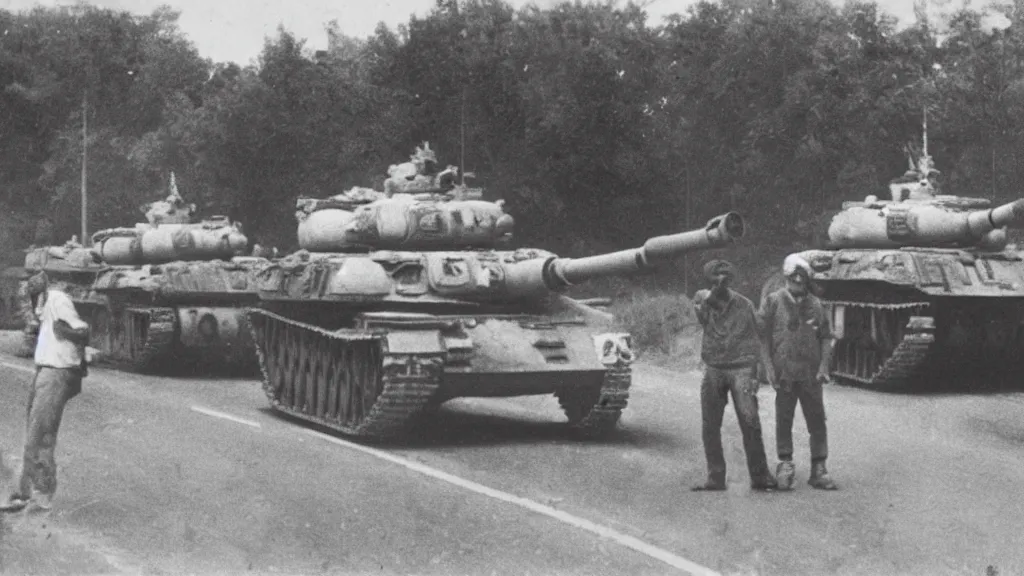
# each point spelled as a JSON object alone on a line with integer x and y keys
{"x": 820, "y": 478}
{"x": 784, "y": 474}
{"x": 764, "y": 483}
{"x": 710, "y": 485}
{"x": 15, "y": 503}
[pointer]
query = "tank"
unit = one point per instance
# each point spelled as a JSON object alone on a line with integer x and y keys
{"x": 922, "y": 285}
{"x": 362, "y": 339}
{"x": 172, "y": 290}
{"x": 70, "y": 265}
{"x": 11, "y": 313}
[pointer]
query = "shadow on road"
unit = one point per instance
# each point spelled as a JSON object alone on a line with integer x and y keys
{"x": 453, "y": 428}
{"x": 961, "y": 381}
{"x": 193, "y": 370}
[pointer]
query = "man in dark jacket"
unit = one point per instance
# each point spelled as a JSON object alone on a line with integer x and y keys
{"x": 799, "y": 335}
{"x": 731, "y": 348}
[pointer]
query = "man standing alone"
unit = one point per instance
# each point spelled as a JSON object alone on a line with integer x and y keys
{"x": 60, "y": 367}
{"x": 730, "y": 349}
{"x": 799, "y": 338}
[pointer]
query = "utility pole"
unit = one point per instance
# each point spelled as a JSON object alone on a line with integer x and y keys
{"x": 85, "y": 145}
{"x": 462, "y": 140}
{"x": 686, "y": 256}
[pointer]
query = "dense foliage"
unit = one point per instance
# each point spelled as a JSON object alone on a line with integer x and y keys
{"x": 598, "y": 127}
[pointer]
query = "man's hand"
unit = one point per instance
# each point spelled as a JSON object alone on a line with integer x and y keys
{"x": 769, "y": 376}
{"x": 701, "y": 296}
{"x": 823, "y": 376}
{"x": 64, "y": 331}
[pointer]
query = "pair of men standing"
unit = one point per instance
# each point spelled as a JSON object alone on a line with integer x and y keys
{"x": 791, "y": 337}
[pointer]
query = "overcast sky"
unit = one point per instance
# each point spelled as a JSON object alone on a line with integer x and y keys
{"x": 233, "y": 30}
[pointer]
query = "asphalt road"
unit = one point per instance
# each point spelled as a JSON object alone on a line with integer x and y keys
{"x": 175, "y": 476}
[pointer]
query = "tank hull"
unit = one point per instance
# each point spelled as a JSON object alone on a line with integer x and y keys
{"x": 158, "y": 318}
{"x": 151, "y": 339}
{"x": 916, "y": 317}
{"x": 372, "y": 376}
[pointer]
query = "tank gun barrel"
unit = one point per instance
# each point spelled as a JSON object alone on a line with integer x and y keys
{"x": 556, "y": 274}
{"x": 981, "y": 222}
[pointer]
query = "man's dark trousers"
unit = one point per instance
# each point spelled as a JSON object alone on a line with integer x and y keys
{"x": 809, "y": 395}
{"x": 742, "y": 383}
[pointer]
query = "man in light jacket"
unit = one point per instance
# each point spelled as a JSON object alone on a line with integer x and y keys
{"x": 799, "y": 337}
{"x": 60, "y": 366}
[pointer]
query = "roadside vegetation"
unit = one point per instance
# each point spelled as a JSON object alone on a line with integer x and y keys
{"x": 662, "y": 325}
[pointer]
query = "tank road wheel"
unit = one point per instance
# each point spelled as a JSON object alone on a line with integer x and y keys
{"x": 595, "y": 411}
{"x": 344, "y": 379}
{"x": 883, "y": 346}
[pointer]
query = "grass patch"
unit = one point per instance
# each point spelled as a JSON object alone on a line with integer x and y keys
{"x": 663, "y": 326}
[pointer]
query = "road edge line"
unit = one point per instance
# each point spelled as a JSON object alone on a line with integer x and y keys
{"x": 27, "y": 369}
{"x": 625, "y": 540}
{"x": 225, "y": 416}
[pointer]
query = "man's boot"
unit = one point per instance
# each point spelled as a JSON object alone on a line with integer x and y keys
{"x": 714, "y": 483}
{"x": 764, "y": 482}
{"x": 15, "y": 503}
{"x": 784, "y": 474}
{"x": 820, "y": 478}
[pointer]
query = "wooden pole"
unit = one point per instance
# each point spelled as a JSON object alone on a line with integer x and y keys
{"x": 85, "y": 145}
{"x": 686, "y": 257}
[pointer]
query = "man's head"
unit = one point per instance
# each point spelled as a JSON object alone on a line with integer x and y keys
{"x": 719, "y": 274}
{"x": 798, "y": 275}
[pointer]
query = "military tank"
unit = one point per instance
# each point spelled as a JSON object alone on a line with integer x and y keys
{"x": 398, "y": 303}
{"x": 172, "y": 289}
{"x": 922, "y": 284}
{"x": 71, "y": 265}
{"x": 11, "y": 315}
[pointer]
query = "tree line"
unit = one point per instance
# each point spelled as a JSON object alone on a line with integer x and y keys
{"x": 598, "y": 127}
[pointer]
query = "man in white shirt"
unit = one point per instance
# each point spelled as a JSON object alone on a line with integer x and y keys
{"x": 60, "y": 367}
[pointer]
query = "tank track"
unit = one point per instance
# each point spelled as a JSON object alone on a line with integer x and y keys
{"x": 596, "y": 412}
{"x": 121, "y": 347}
{"x": 905, "y": 364}
{"x": 307, "y": 372}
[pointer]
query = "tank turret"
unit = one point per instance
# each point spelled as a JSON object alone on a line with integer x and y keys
{"x": 363, "y": 218}
{"x": 147, "y": 243}
{"x": 477, "y": 276}
{"x": 939, "y": 222}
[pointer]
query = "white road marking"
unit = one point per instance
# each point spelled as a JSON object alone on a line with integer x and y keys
{"x": 23, "y": 368}
{"x": 216, "y": 414}
{"x": 605, "y": 532}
